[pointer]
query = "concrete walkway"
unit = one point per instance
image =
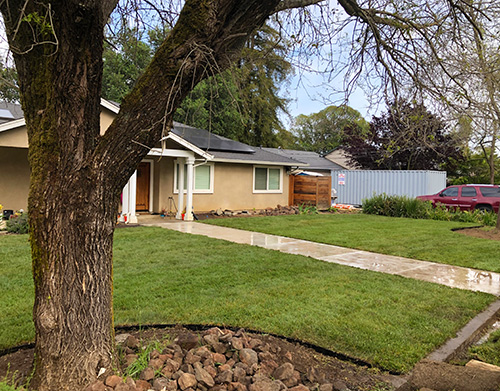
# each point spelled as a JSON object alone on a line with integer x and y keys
{"x": 453, "y": 276}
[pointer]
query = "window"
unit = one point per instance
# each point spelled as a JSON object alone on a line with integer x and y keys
{"x": 450, "y": 192}
{"x": 267, "y": 180}
{"x": 469, "y": 192}
{"x": 203, "y": 178}
{"x": 490, "y": 191}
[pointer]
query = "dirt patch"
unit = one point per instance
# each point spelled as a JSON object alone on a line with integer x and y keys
{"x": 483, "y": 233}
{"x": 439, "y": 376}
{"x": 315, "y": 368}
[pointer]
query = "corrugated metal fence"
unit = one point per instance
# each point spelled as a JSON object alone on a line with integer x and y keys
{"x": 355, "y": 185}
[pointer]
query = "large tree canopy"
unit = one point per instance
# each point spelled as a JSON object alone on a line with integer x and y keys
{"x": 244, "y": 102}
{"x": 406, "y": 137}
{"x": 322, "y": 132}
{"x": 77, "y": 174}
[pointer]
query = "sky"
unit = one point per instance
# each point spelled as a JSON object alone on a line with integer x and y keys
{"x": 310, "y": 93}
{"x": 308, "y": 97}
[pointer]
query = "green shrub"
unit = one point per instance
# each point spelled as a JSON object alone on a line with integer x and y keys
{"x": 396, "y": 206}
{"x": 18, "y": 225}
{"x": 400, "y": 206}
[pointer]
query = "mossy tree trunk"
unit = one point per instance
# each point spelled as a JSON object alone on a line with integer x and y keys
{"x": 77, "y": 175}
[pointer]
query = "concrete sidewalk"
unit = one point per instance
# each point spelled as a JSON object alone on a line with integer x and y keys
{"x": 453, "y": 276}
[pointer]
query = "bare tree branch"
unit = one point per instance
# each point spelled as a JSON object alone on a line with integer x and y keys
{"x": 291, "y": 4}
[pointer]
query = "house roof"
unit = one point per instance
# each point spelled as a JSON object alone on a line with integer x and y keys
{"x": 221, "y": 148}
{"x": 227, "y": 150}
{"x": 208, "y": 141}
{"x": 10, "y": 111}
{"x": 312, "y": 159}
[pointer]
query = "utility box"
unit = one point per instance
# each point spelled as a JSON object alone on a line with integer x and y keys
{"x": 353, "y": 186}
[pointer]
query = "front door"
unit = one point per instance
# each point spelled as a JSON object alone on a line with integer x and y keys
{"x": 142, "y": 196}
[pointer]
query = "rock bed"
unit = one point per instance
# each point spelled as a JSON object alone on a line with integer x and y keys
{"x": 225, "y": 361}
{"x": 279, "y": 210}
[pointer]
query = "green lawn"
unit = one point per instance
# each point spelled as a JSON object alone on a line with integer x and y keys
{"x": 163, "y": 276}
{"x": 428, "y": 240}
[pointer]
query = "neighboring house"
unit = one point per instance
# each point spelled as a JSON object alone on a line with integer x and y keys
{"x": 216, "y": 172}
{"x": 341, "y": 158}
{"x": 314, "y": 162}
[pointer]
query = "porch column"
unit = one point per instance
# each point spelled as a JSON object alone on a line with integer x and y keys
{"x": 190, "y": 182}
{"x": 125, "y": 203}
{"x": 132, "y": 185}
{"x": 180, "y": 186}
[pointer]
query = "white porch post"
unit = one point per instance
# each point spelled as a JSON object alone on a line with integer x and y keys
{"x": 190, "y": 181}
{"x": 125, "y": 202}
{"x": 180, "y": 183}
{"x": 132, "y": 218}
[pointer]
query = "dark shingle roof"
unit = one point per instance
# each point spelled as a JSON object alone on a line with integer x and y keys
{"x": 223, "y": 148}
{"x": 313, "y": 159}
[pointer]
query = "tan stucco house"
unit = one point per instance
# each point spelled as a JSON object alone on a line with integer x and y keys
{"x": 216, "y": 172}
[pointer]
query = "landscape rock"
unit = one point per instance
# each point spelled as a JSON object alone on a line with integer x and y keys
{"x": 96, "y": 386}
{"x": 293, "y": 380}
{"x": 236, "y": 386}
{"x": 187, "y": 340}
{"x": 326, "y": 387}
{"x": 204, "y": 377}
{"x": 268, "y": 367}
{"x": 147, "y": 374}
{"x": 156, "y": 363}
{"x": 224, "y": 377}
{"x": 249, "y": 356}
{"x": 187, "y": 380}
{"x": 284, "y": 371}
{"x": 121, "y": 338}
{"x": 219, "y": 358}
{"x": 211, "y": 370}
{"x": 113, "y": 380}
{"x": 267, "y": 385}
{"x": 162, "y": 383}
{"x": 237, "y": 343}
{"x": 124, "y": 387}
{"x": 142, "y": 385}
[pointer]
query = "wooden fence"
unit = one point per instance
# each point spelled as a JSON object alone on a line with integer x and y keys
{"x": 310, "y": 190}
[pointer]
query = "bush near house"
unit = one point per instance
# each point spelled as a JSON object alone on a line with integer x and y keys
{"x": 18, "y": 224}
{"x": 401, "y": 206}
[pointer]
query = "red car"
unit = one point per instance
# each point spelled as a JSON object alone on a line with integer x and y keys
{"x": 467, "y": 197}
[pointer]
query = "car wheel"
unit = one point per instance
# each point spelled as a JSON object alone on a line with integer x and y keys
{"x": 484, "y": 208}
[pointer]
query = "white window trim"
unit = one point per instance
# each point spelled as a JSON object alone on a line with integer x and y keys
{"x": 268, "y": 191}
{"x": 208, "y": 191}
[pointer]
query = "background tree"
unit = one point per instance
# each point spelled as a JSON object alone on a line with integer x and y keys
{"x": 474, "y": 168}
{"x": 125, "y": 57}
{"x": 244, "y": 103}
{"x": 406, "y": 137}
{"x": 77, "y": 174}
{"x": 9, "y": 89}
{"x": 324, "y": 131}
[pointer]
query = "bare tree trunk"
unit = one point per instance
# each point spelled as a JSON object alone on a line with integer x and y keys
{"x": 72, "y": 209}
{"x": 77, "y": 175}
